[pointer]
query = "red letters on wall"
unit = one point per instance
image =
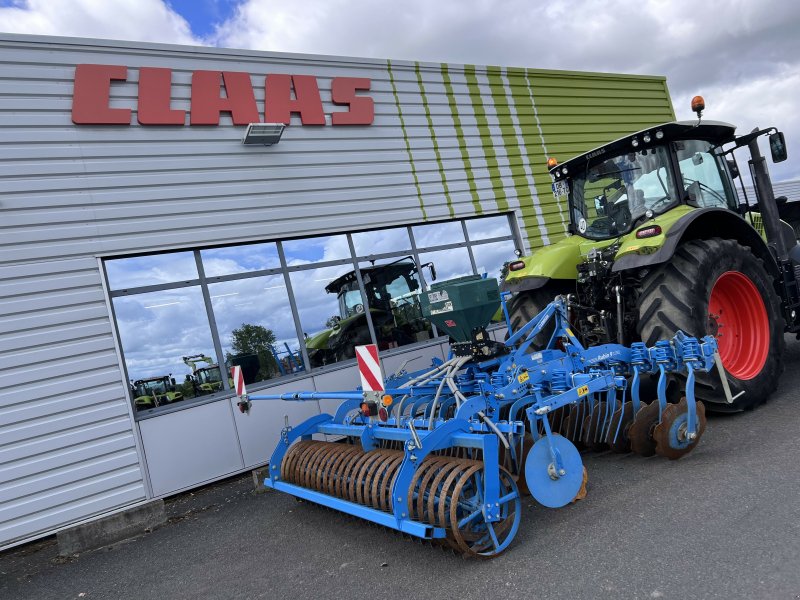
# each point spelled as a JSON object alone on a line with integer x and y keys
{"x": 155, "y": 86}
{"x": 216, "y": 92}
{"x": 92, "y": 93}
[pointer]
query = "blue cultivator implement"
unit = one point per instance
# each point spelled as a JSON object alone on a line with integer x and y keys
{"x": 444, "y": 453}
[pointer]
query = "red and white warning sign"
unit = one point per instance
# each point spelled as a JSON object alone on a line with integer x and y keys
{"x": 238, "y": 381}
{"x": 369, "y": 367}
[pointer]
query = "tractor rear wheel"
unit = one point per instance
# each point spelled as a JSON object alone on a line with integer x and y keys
{"x": 523, "y": 306}
{"x": 717, "y": 287}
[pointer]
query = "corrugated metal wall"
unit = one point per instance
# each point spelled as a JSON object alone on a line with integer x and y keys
{"x": 447, "y": 141}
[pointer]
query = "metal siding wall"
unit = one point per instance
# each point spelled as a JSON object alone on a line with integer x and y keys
{"x": 447, "y": 141}
{"x": 67, "y": 449}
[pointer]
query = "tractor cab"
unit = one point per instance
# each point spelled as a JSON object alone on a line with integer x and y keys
{"x": 154, "y": 391}
{"x": 615, "y": 188}
{"x": 392, "y": 293}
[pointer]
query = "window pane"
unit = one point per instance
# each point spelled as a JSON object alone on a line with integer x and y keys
{"x": 488, "y": 228}
{"x": 393, "y": 289}
{"x": 438, "y": 234}
{"x": 382, "y": 242}
{"x": 489, "y": 258}
{"x": 333, "y": 320}
{"x": 448, "y": 264}
{"x": 124, "y": 273}
{"x": 319, "y": 249}
{"x": 703, "y": 175}
{"x": 157, "y": 330}
{"x": 255, "y": 325}
{"x": 240, "y": 259}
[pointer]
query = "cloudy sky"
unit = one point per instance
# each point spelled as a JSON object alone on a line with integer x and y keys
{"x": 743, "y": 56}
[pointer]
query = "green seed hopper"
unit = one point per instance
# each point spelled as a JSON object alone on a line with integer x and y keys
{"x": 459, "y": 306}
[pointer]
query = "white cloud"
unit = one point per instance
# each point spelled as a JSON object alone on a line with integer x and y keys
{"x": 743, "y": 55}
{"x": 139, "y": 20}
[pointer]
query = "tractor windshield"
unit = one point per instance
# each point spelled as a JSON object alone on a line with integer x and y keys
{"x": 209, "y": 375}
{"x": 614, "y": 193}
{"x": 151, "y": 388}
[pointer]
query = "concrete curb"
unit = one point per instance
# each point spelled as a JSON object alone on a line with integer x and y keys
{"x": 116, "y": 527}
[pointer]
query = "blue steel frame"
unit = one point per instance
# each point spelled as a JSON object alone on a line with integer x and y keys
{"x": 535, "y": 383}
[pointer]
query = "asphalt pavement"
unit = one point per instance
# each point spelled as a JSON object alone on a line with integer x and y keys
{"x": 722, "y": 522}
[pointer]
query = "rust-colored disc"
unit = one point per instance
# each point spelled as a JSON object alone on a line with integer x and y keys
{"x": 592, "y": 427}
{"x": 670, "y": 435}
{"x": 527, "y": 444}
{"x": 640, "y": 432}
{"x": 571, "y": 426}
{"x": 582, "y": 492}
{"x": 620, "y": 430}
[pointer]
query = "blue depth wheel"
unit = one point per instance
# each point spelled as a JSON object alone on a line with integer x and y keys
{"x": 546, "y": 484}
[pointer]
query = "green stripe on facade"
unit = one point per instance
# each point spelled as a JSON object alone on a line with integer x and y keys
{"x": 522, "y": 95}
{"x": 405, "y": 138}
{"x": 432, "y": 131}
{"x": 578, "y": 112}
{"x": 462, "y": 143}
{"x": 486, "y": 137}
{"x": 514, "y": 151}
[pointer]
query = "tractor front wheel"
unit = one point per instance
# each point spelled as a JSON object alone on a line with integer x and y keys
{"x": 717, "y": 287}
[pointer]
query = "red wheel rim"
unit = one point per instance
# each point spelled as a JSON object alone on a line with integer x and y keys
{"x": 742, "y": 324}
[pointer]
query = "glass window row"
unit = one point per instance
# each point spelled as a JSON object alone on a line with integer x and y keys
{"x": 278, "y": 308}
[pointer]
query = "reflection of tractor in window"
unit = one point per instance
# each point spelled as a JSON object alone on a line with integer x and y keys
{"x": 392, "y": 292}
{"x": 154, "y": 391}
{"x": 206, "y": 380}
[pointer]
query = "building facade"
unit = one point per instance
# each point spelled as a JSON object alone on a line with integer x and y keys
{"x": 145, "y": 248}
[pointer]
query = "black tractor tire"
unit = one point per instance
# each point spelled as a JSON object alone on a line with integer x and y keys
{"x": 523, "y": 306}
{"x": 677, "y": 296}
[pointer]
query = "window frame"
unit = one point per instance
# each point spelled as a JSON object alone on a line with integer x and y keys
{"x": 203, "y": 281}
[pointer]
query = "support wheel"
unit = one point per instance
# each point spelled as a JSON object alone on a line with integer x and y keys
{"x": 718, "y": 287}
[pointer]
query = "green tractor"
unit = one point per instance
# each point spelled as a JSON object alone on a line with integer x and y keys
{"x": 205, "y": 380}
{"x": 392, "y": 294}
{"x": 659, "y": 241}
{"x": 154, "y": 391}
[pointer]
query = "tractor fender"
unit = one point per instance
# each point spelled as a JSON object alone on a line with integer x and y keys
{"x": 523, "y": 285}
{"x": 702, "y": 223}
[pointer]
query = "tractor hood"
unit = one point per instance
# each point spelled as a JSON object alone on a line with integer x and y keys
{"x": 322, "y": 340}
{"x": 560, "y": 260}
{"x": 557, "y": 261}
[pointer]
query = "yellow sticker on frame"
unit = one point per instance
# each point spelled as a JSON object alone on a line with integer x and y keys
{"x": 523, "y": 377}
{"x": 583, "y": 390}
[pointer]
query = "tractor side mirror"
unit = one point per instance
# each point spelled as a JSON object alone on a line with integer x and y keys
{"x": 777, "y": 146}
{"x": 733, "y": 168}
{"x": 432, "y": 268}
{"x": 173, "y": 382}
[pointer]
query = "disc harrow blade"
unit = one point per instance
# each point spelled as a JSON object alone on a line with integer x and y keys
{"x": 671, "y": 436}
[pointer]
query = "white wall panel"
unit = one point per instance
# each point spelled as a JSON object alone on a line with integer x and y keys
{"x": 188, "y": 447}
{"x": 260, "y": 430}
